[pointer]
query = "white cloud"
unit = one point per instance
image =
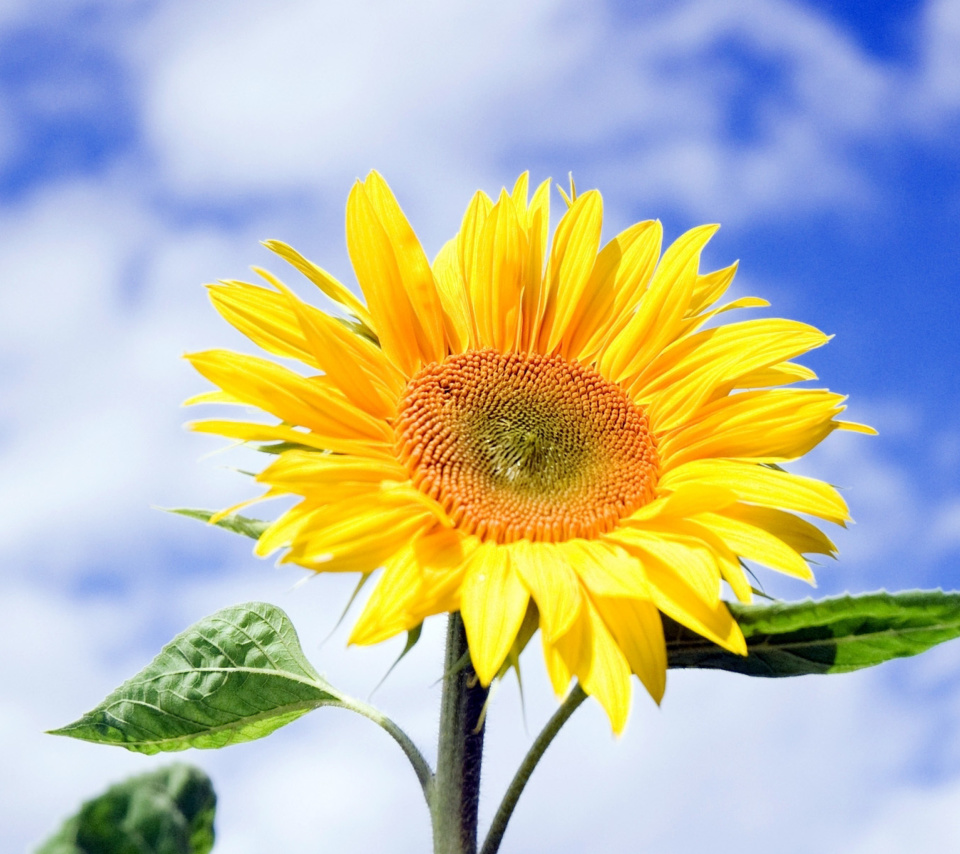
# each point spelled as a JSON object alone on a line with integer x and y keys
{"x": 296, "y": 94}
{"x": 920, "y": 819}
{"x": 942, "y": 59}
{"x": 728, "y": 764}
{"x": 100, "y": 302}
{"x": 884, "y": 499}
{"x": 946, "y": 528}
{"x": 289, "y": 94}
{"x": 673, "y": 87}
{"x": 902, "y": 525}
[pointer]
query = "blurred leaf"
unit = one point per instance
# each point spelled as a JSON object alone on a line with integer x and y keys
{"x": 834, "y": 635}
{"x": 169, "y": 811}
{"x": 234, "y": 522}
{"x": 235, "y": 676}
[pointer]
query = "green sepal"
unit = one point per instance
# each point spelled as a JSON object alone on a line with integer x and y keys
{"x": 357, "y": 327}
{"x": 413, "y": 638}
{"x": 169, "y": 811}
{"x": 364, "y": 578}
{"x": 236, "y": 523}
{"x": 835, "y": 635}
{"x": 234, "y": 676}
{"x": 280, "y": 447}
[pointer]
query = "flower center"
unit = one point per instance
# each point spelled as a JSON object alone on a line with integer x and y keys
{"x": 521, "y": 445}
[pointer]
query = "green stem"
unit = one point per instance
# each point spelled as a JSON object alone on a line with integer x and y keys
{"x": 420, "y": 765}
{"x": 455, "y": 795}
{"x": 495, "y": 835}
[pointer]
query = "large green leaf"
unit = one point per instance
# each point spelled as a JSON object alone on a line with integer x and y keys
{"x": 236, "y": 675}
{"x": 828, "y": 636}
{"x": 169, "y": 811}
{"x": 234, "y": 522}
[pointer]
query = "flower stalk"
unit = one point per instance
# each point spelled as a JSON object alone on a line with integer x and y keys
{"x": 455, "y": 796}
{"x": 495, "y": 835}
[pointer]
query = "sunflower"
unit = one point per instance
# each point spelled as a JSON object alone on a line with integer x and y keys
{"x": 535, "y": 433}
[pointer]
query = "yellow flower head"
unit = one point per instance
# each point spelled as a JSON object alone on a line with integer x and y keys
{"x": 534, "y": 432}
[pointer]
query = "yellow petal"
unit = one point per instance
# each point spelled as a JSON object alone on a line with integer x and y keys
{"x": 457, "y": 309}
{"x": 317, "y": 474}
{"x": 288, "y": 396}
{"x": 756, "y": 544}
{"x": 710, "y": 287}
{"x": 284, "y": 529}
{"x": 658, "y": 543}
{"x": 248, "y": 431}
{"x": 468, "y": 248}
{"x": 493, "y": 602}
{"x": 604, "y": 672}
{"x": 442, "y": 554}
{"x": 637, "y": 269}
{"x": 734, "y": 574}
{"x": 728, "y": 562}
{"x": 552, "y": 583}
{"x": 354, "y": 365}
{"x": 687, "y": 499}
{"x": 638, "y": 630}
{"x": 691, "y": 323}
{"x": 797, "y": 533}
{"x": 605, "y": 569}
{"x": 660, "y": 315}
{"x": 323, "y": 280}
{"x": 229, "y": 511}
{"x": 558, "y": 671}
{"x": 264, "y": 316}
{"x": 672, "y": 595}
{"x": 538, "y": 214}
{"x": 854, "y": 427}
{"x": 769, "y": 426}
{"x": 572, "y": 257}
{"x": 689, "y": 373}
{"x": 519, "y": 193}
{"x": 379, "y": 275}
{"x": 536, "y": 223}
{"x": 532, "y": 284}
{"x": 358, "y": 534}
{"x": 619, "y": 278}
{"x": 211, "y": 397}
{"x": 385, "y": 613}
{"x": 782, "y": 374}
{"x": 497, "y": 281}
{"x": 415, "y": 272}
{"x": 764, "y": 486}
{"x": 528, "y": 628}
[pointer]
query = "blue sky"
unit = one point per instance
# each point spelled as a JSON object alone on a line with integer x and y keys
{"x": 145, "y": 148}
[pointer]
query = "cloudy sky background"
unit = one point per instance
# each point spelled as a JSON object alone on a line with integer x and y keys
{"x": 146, "y": 147}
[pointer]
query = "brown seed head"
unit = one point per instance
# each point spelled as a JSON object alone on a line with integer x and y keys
{"x": 521, "y": 445}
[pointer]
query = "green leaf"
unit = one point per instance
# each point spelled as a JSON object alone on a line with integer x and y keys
{"x": 834, "y": 635}
{"x": 235, "y": 676}
{"x": 234, "y": 522}
{"x": 169, "y": 811}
